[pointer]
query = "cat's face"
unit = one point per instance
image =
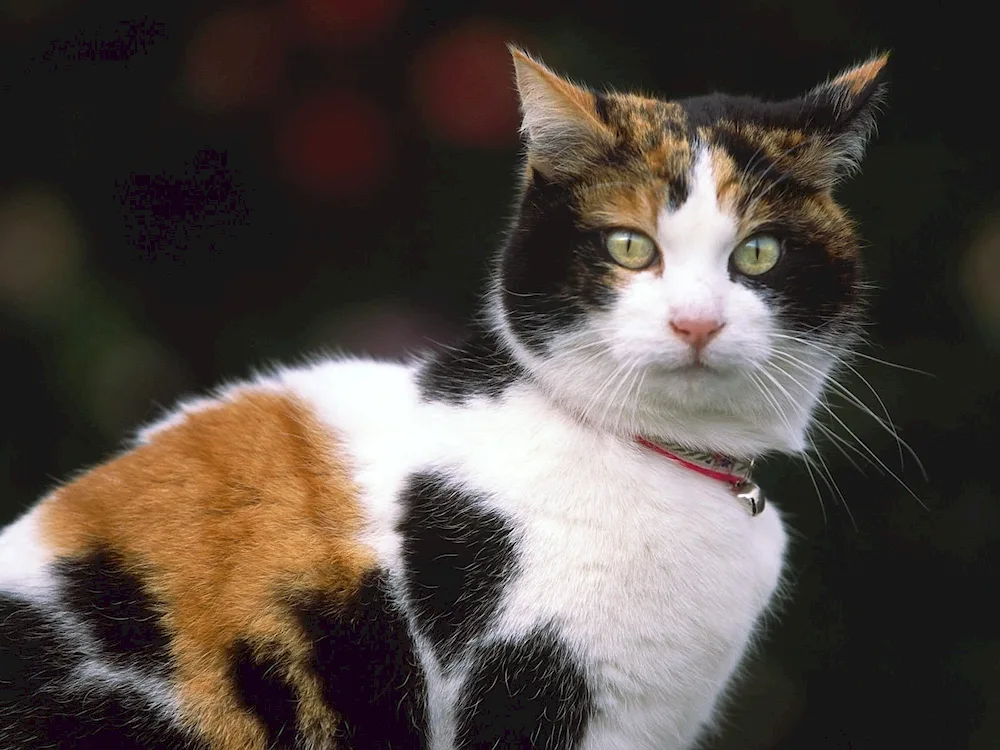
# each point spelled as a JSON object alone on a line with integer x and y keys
{"x": 680, "y": 269}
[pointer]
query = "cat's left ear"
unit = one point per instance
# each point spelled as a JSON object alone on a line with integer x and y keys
{"x": 844, "y": 110}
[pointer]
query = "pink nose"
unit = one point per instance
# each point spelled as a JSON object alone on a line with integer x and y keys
{"x": 696, "y": 331}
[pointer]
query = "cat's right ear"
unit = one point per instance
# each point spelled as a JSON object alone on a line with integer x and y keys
{"x": 560, "y": 124}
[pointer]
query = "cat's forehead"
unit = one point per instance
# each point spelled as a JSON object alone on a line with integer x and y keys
{"x": 749, "y": 146}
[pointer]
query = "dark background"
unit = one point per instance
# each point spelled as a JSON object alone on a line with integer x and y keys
{"x": 191, "y": 190}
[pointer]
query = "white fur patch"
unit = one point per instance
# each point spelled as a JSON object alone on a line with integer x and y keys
{"x": 24, "y": 559}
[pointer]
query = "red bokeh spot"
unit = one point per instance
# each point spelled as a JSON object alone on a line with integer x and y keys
{"x": 464, "y": 84}
{"x": 344, "y": 23}
{"x": 235, "y": 58}
{"x": 334, "y": 144}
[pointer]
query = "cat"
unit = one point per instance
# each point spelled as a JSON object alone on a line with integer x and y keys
{"x": 548, "y": 537}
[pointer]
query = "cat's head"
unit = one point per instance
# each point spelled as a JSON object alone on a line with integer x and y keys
{"x": 680, "y": 269}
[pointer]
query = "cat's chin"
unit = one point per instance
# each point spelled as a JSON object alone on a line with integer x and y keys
{"x": 690, "y": 386}
{"x": 717, "y": 408}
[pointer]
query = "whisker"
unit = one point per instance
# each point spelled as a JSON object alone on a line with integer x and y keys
{"x": 781, "y": 415}
{"x": 823, "y": 468}
{"x": 815, "y": 460}
{"x": 841, "y": 390}
{"x": 873, "y": 455}
{"x": 826, "y": 348}
{"x": 629, "y": 378}
{"x": 887, "y": 363}
{"x": 843, "y": 445}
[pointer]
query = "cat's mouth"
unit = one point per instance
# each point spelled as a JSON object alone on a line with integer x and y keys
{"x": 697, "y": 369}
{"x": 701, "y": 368}
{"x": 693, "y": 368}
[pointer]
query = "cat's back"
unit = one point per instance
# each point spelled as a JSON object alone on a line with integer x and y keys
{"x": 208, "y": 578}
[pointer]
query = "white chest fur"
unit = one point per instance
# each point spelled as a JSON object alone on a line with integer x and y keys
{"x": 653, "y": 574}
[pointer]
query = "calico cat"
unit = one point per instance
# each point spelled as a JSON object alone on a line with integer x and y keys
{"x": 546, "y": 538}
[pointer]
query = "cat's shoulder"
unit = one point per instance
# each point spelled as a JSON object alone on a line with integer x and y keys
{"x": 258, "y": 449}
{"x": 219, "y": 470}
{"x": 286, "y": 433}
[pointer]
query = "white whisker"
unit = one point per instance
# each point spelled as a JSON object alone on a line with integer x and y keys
{"x": 841, "y": 390}
{"x": 769, "y": 397}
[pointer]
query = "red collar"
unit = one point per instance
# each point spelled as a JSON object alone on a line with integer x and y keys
{"x": 714, "y": 465}
{"x": 731, "y": 471}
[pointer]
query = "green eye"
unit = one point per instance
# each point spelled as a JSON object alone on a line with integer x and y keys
{"x": 757, "y": 255}
{"x": 630, "y": 249}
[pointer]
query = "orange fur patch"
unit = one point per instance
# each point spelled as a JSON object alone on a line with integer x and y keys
{"x": 225, "y": 517}
{"x": 727, "y": 179}
{"x": 621, "y": 204}
{"x": 673, "y": 156}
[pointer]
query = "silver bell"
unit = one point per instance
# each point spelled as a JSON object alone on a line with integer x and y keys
{"x": 750, "y": 496}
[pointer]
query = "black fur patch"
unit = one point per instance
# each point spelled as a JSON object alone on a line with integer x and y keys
{"x": 527, "y": 695}
{"x": 763, "y": 171}
{"x": 457, "y": 557}
{"x": 37, "y": 709}
{"x": 264, "y": 691}
{"x": 603, "y": 108}
{"x": 479, "y": 367}
{"x": 826, "y": 112}
{"x": 111, "y": 602}
{"x": 793, "y": 114}
{"x": 363, "y": 654}
{"x": 551, "y": 270}
{"x": 812, "y": 289}
{"x": 678, "y": 190}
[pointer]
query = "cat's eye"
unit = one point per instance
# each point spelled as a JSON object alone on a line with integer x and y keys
{"x": 757, "y": 254}
{"x": 632, "y": 250}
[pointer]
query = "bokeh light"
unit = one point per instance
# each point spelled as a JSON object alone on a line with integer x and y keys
{"x": 343, "y": 23}
{"x": 464, "y": 85}
{"x": 41, "y": 249}
{"x": 981, "y": 276}
{"x": 234, "y": 59}
{"x": 381, "y": 330}
{"x": 334, "y": 144}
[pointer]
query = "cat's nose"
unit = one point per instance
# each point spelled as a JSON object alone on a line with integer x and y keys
{"x": 696, "y": 331}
